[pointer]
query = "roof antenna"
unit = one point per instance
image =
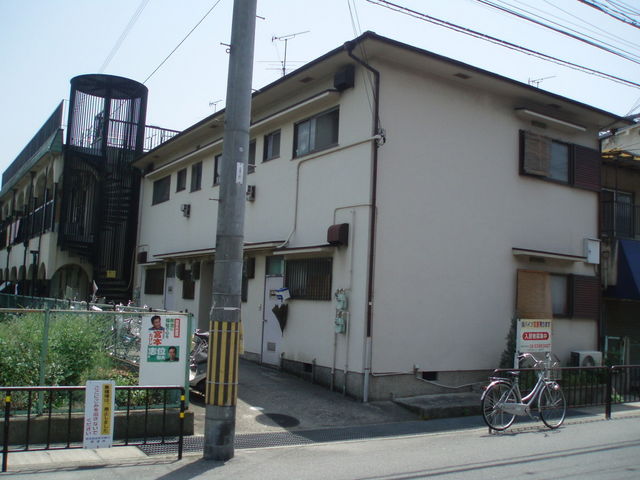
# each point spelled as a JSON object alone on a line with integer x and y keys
{"x": 537, "y": 81}
{"x": 286, "y": 38}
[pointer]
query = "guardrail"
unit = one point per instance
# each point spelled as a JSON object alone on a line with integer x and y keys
{"x": 590, "y": 386}
{"x": 52, "y": 418}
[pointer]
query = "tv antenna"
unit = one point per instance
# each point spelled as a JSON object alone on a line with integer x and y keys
{"x": 285, "y": 39}
{"x": 537, "y": 81}
{"x": 214, "y": 104}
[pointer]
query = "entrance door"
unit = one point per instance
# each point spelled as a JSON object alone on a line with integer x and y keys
{"x": 271, "y": 333}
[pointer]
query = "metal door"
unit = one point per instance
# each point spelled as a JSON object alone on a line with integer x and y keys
{"x": 271, "y": 333}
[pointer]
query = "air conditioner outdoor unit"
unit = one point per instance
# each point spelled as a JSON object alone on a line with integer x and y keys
{"x": 251, "y": 192}
{"x": 185, "y": 208}
{"x": 586, "y": 358}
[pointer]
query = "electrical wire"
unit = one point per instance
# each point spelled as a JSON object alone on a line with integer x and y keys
{"x": 611, "y": 12}
{"x": 424, "y": 17}
{"x": 123, "y": 35}
{"x": 629, "y": 56}
{"x": 602, "y": 31}
{"x": 182, "y": 41}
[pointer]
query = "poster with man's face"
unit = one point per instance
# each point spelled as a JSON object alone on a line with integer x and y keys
{"x": 163, "y": 349}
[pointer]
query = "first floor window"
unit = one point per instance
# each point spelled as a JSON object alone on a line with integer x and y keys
{"x": 154, "y": 281}
{"x": 161, "y": 190}
{"x": 188, "y": 287}
{"x": 553, "y": 295}
{"x": 309, "y": 279}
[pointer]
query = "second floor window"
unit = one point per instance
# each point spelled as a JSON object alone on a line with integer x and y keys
{"x": 271, "y": 146}
{"x": 216, "y": 169}
{"x": 181, "y": 180}
{"x": 161, "y": 190}
{"x": 252, "y": 157}
{"x": 196, "y": 176}
{"x": 567, "y": 163}
{"x": 316, "y": 133}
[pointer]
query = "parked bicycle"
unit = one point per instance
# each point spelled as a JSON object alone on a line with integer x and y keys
{"x": 502, "y": 401}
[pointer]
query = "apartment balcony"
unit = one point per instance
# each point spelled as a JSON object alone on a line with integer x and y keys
{"x": 620, "y": 220}
{"x": 21, "y": 228}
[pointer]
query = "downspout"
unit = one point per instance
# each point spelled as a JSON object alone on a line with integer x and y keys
{"x": 349, "y": 47}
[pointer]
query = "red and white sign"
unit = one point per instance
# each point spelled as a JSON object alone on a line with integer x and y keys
{"x": 533, "y": 335}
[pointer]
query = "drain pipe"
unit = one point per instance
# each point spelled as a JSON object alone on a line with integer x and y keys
{"x": 349, "y": 47}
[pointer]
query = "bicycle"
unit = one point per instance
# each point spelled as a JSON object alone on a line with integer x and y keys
{"x": 502, "y": 401}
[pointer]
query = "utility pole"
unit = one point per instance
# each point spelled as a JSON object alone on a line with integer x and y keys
{"x": 224, "y": 325}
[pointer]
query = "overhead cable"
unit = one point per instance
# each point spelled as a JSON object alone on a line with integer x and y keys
{"x": 436, "y": 21}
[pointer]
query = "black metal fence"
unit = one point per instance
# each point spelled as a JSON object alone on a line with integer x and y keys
{"x": 590, "y": 386}
{"x": 52, "y": 418}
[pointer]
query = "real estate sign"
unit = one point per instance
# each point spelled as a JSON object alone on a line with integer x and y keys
{"x": 533, "y": 335}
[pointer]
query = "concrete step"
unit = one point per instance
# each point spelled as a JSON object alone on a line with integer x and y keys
{"x": 442, "y": 405}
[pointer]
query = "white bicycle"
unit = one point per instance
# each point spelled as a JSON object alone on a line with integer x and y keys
{"x": 502, "y": 401}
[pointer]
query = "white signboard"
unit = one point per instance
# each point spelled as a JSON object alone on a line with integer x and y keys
{"x": 99, "y": 407}
{"x": 533, "y": 335}
{"x": 164, "y": 349}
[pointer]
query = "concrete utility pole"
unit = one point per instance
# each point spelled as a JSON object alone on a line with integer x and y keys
{"x": 224, "y": 326}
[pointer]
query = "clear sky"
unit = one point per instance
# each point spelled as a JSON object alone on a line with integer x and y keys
{"x": 44, "y": 43}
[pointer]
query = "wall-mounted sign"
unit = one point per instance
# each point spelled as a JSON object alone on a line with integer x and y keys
{"x": 533, "y": 335}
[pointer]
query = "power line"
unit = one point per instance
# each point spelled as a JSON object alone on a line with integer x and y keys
{"x": 123, "y": 35}
{"x": 497, "y": 41}
{"x": 612, "y": 12}
{"x": 182, "y": 41}
{"x": 601, "y": 31}
{"x": 574, "y": 36}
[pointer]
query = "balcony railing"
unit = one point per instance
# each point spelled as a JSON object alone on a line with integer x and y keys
{"x": 156, "y": 136}
{"x": 620, "y": 219}
{"x": 24, "y": 227}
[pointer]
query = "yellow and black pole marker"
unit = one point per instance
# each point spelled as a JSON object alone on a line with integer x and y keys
{"x": 222, "y": 381}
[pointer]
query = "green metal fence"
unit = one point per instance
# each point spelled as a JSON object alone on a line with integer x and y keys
{"x": 41, "y": 347}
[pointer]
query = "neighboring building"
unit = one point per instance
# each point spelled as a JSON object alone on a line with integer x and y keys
{"x": 442, "y": 199}
{"x": 620, "y": 229}
{"x": 69, "y": 210}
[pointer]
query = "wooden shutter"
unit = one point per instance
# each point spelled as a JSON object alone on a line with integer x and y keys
{"x": 533, "y": 296}
{"x": 535, "y": 153}
{"x": 586, "y": 297}
{"x": 586, "y": 168}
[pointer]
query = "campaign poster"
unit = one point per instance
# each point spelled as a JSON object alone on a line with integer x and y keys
{"x": 163, "y": 349}
{"x": 99, "y": 408}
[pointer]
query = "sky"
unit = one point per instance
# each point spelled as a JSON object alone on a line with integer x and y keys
{"x": 45, "y": 43}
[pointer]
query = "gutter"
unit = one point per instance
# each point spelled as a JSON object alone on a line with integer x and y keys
{"x": 376, "y": 131}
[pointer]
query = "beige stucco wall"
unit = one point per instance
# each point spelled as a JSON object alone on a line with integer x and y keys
{"x": 452, "y": 205}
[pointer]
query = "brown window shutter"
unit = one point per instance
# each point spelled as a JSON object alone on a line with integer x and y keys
{"x": 586, "y": 297}
{"x": 533, "y": 296}
{"x": 586, "y": 168}
{"x": 535, "y": 152}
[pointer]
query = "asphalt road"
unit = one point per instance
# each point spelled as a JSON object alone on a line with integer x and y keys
{"x": 592, "y": 448}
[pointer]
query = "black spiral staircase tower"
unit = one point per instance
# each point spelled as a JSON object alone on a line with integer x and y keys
{"x": 98, "y": 218}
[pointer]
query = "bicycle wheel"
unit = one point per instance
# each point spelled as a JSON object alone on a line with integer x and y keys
{"x": 552, "y": 405}
{"x": 491, "y": 403}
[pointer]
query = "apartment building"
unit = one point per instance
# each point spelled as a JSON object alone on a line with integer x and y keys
{"x": 69, "y": 206}
{"x": 402, "y": 209}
